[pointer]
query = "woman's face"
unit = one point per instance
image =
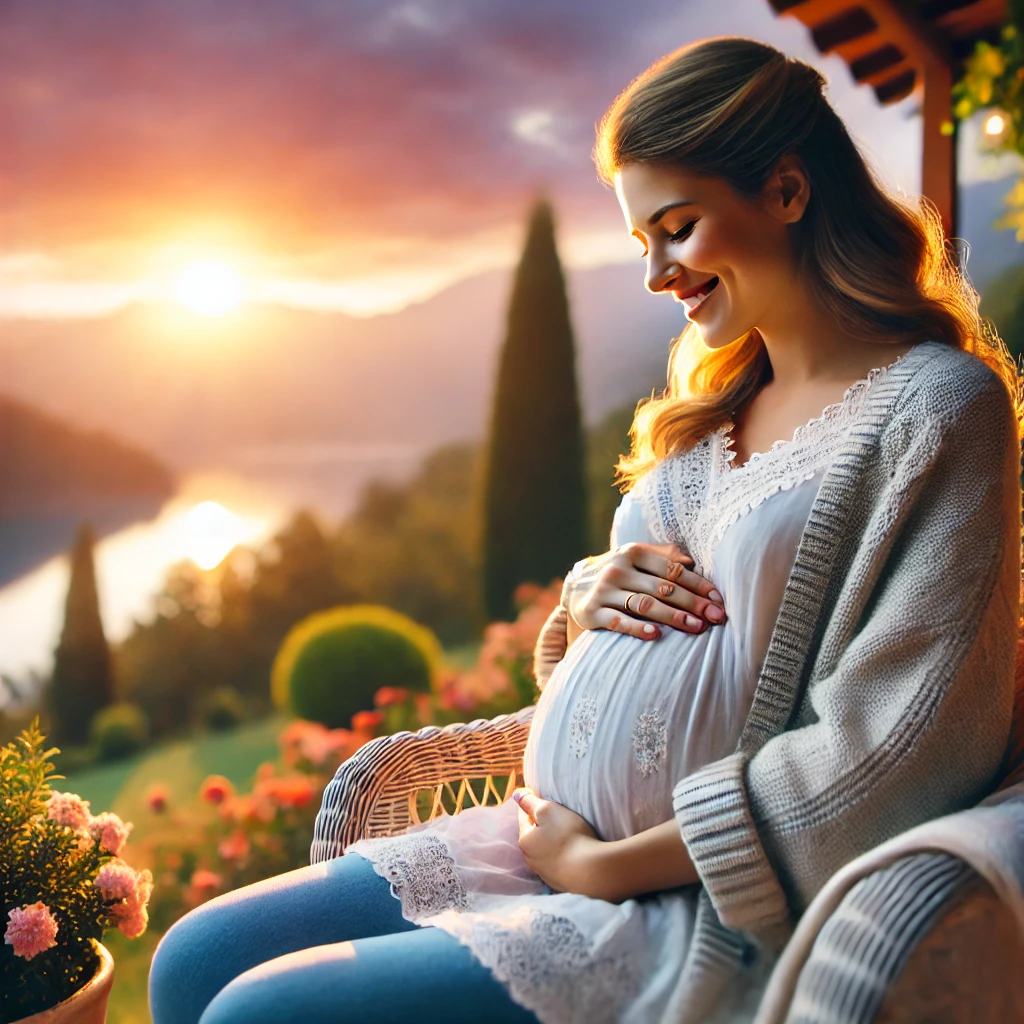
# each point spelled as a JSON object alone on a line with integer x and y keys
{"x": 696, "y": 229}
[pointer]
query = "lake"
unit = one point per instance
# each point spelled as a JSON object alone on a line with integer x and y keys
{"x": 211, "y": 512}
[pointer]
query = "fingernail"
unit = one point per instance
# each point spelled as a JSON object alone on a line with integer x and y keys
{"x": 714, "y": 613}
{"x": 649, "y": 628}
{"x": 691, "y": 621}
{"x": 517, "y": 796}
{"x": 715, "y": 595}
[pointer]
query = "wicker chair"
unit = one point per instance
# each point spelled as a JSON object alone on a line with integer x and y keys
{"x": 953, "y": 958}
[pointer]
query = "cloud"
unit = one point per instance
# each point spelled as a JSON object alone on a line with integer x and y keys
{"x": 355, "y": 135}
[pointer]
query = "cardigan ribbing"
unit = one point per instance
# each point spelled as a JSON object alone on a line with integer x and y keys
{"x": 885, "y": 696}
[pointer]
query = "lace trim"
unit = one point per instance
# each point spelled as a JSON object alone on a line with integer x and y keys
{"x": 673, "y": 491}
{"x": 421, "y": 871}
{"x": 549, "y": 967}
{"x": 692, "y": 498}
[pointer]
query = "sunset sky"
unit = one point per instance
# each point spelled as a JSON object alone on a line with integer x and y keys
{"x": 341, "y": 154}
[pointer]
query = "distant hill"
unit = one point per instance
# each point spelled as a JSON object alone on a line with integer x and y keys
{"x": 197, "y": 396}
{"x": 48, "y": 468}
{"x": 265, "y": 383}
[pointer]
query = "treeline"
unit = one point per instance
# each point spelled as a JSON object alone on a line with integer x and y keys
{"x": 414, "y": 547}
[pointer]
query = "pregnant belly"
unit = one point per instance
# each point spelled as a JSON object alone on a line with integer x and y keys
{"x": 621, "y": 720}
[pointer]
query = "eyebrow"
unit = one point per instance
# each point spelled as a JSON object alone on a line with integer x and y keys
{"x": 658, "y": 214}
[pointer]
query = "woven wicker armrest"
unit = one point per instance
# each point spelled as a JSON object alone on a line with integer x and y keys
{"x": 379, "y": 789}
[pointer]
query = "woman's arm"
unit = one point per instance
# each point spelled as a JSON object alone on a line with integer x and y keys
{"x": 908, "y": 713}
{"x": 562, "y": 849}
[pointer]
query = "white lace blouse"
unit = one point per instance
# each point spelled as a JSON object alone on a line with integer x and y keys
{"x": 619, "y": 722}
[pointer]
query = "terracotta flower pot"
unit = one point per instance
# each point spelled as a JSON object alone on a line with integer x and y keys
{"x": 89, "y": 1004}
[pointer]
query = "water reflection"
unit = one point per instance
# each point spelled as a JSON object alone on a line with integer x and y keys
{"x": 211, "y": 513}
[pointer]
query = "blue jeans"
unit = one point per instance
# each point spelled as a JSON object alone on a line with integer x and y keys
{"x": 325, "y": 943}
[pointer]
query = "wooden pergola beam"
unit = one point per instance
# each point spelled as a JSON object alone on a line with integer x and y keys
{"x": 889, "y": 45}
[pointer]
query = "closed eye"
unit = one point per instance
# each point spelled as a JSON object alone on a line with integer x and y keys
{"x": 682, "y": 232}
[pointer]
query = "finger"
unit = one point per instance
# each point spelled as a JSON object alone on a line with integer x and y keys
{"x": 652, "y": 609}
{"x": 670, "y": 563}
{"x": 620, "y": 622}
{"x": 528, "y": 801}
{"x": 671, "y": 603}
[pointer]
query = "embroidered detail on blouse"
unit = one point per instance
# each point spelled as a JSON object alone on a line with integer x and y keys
{"x": 649, "y": 740}
{"x": 672, "y": 492}
{"x": 549, "y": 966}
{"x": 421, "y": 871}
{"x": 581, "y": 725}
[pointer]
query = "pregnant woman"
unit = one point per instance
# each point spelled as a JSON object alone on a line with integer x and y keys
{"x": 800, "y": 642}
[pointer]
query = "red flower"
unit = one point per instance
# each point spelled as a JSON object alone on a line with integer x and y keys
{"x": 388, "y": 695}
{"x": 216, "y": 789}
{"x": 156, "y": 799}
{"x": 367, "y": 721}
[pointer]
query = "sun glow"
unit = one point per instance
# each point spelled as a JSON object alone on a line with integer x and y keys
{"x": 210, "y": 531}
{"x": 209, "y": 287}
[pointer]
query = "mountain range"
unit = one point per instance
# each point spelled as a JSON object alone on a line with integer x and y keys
{"x": 279, "y": 379}
{"x": 270, "y": 382}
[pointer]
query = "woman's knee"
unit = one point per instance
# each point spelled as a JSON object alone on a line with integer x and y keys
{"x": 180, "y": 983}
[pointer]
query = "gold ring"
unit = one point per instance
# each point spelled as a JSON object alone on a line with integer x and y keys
{"x": 626, "y": 603}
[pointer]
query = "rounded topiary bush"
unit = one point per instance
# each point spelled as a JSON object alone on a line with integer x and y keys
{"x": 118, "y": 731}
{"x": 333, "y": 662}
{"x": 221, "y": 709}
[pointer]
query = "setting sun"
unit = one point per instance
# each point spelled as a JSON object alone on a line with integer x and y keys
{"x": 209, "y": 288}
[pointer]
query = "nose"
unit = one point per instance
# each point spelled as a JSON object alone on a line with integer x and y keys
{"x": 661, "y": 274}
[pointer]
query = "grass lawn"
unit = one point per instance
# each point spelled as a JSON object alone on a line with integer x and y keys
{"x": 180, "y": 766}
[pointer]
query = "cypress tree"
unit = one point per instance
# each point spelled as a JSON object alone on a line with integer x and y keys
{"x": 534, "y": 515}
{"x": 83, "y": 679}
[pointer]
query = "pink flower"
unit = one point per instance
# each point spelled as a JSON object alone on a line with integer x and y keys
{"x": 156, "y": 799}
{"x": 116, "y": 880}
{"x": 69, "y": 809}
{"x": 203, "y": 879}
{"x": 110, "y": 831}
{"x": 32, "y": 929}
{"x": 234, "y": 847}
{"x": 132, "y": 916}
{"x": 216, "y": 789}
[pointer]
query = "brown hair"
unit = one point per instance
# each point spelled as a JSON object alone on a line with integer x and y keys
{"x": 878, "y": 264}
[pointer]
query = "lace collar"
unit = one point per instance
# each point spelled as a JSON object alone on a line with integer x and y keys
{"x": 692, "y": 498}
{"x": 837, "y": 414}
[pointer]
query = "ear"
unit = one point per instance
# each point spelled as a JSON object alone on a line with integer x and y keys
{"x": 788, "y": 189}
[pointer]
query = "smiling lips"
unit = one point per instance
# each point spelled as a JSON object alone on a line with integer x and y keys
{"x": 694, "y": 299}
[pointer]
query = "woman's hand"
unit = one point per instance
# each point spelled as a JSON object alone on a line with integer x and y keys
{"x": 560, "y": 846}
{"x": 670, "y": 593}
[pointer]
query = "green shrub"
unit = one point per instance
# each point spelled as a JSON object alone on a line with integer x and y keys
{"x": 332, "y": 663}
{"x": 118, "y": 731}
{"x": 222, "y": 709}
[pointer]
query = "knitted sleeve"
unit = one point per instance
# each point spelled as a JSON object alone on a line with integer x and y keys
{"x": 906, "y": 713}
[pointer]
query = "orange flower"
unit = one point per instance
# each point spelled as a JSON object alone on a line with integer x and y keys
{"x": 367, "y": 721}
{"x": 288, "y": 791}
{"x": 216, "y": 789}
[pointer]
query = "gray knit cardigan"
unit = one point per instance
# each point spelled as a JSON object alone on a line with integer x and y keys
{"x": 886, "y": 693}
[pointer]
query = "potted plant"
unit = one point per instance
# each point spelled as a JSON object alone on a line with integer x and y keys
{"x": 62, "y": 885}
